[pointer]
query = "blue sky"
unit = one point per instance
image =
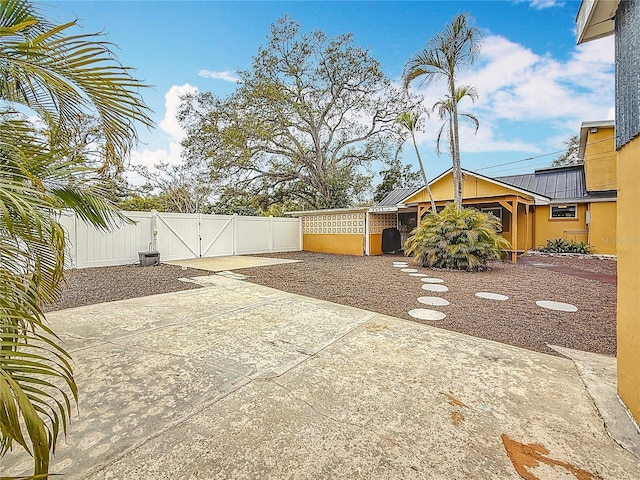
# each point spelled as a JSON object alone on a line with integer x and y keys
{"x": 536, "y": 86}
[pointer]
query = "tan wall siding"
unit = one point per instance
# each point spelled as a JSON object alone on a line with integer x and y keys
{"x": 628, "y": 248}
{"x": 602, "y": 230}
{"x": 472, "y": 187}
{"x": 568, "y": 229}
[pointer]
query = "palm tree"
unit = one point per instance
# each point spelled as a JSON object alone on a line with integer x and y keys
{"x": 457, "y": 47}
{"x": 409, "y": 121}
{"x": 56, "y": 76}
{"x": 445, "y": 108}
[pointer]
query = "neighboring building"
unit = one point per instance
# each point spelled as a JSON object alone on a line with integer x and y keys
{"x": 576, "y": 202}
{"x": 598, "y": 18}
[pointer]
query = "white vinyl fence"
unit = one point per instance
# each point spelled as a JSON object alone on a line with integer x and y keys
{"x": 178, "y": 236}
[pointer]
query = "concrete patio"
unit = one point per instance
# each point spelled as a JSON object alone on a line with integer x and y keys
{"x": 237, "y": 380}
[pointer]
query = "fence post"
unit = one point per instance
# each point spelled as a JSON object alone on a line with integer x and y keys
{"x": 301, "y": 234}
{"x": 234, "y": 234}
{"x": 74, "y": 262}
{"x": 271, "y": 234}
{"x": 154, "y": 230}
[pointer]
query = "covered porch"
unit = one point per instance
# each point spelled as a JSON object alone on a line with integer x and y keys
{"x": 514, "y": 211}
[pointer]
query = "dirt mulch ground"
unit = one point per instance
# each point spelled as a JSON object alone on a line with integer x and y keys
{"x": 372, "y": 283}
{"x": 88, "y": 286}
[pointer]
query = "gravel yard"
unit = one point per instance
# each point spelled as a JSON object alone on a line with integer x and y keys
{"x": 373, "y": 283}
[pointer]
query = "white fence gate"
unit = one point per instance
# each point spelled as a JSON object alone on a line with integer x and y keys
{"x": 178, "y": 236}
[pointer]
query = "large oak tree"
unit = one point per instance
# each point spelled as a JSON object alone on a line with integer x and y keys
{"x": 309, "y": 118}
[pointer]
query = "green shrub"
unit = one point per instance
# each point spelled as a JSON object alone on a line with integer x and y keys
{"x": 463, "y": 240}
{"x": 558, "y": 245}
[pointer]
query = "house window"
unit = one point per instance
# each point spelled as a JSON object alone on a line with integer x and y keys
{"x": 496, "y": 212}
{"x": 564, "y": 211}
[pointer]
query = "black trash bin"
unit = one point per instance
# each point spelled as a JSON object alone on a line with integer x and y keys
{"x": 391, "y": 241}
{"x": 149, "y": 258}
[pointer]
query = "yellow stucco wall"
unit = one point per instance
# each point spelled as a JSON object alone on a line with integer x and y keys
{"x": 570, "y": 229}
{"x": 628, "y": 248}
{"x": 347, "y": 244}
{"x": 377, "y": 223}
{"x": 334, "y": 232}
{"x": 602, "y": 230}
{"x": 600, "y": 160}
{"x": 375, "y": 244}
{"x": 472, "y": 187}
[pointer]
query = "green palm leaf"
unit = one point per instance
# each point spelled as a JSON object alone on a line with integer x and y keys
{"x": 58, "y": 76}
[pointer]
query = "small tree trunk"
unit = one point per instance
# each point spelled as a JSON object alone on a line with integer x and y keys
{"x": 424, "y": 173}
{"x": 455, "y": 149}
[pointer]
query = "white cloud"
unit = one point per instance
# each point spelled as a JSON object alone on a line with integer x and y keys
{"x": 169, "y": 123}
{"x": 519, "y": 86}
{"x": 226, "y": 75}
{"x": 542, "y": 4}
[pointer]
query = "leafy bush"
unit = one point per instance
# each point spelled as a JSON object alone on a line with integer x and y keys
{"x": 558, "y": 245}
{"x": 463, "y": 240}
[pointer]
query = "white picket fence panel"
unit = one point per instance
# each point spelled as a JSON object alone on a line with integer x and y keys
{"x": 178, "y": 236}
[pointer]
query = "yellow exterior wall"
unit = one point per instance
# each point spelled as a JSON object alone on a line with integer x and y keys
{"x": 569, "y": 229}
{"x": 349, "y": 244}
{"x": 334, "y": 232}
{"x": 472, "y": 187}
{"x": 375, "y": 244}
{"x": 377, "y": 223}
{"x": 600, "y": 160}
{"x": 602, "y": 230}
{"x": 628, "y": 248}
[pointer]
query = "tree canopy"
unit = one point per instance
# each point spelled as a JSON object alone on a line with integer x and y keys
{"x": 455, "y": 48}
{"x": 395, "y": 176}
{"x": 570, "y": 156}
{"x": 308, "y": 119}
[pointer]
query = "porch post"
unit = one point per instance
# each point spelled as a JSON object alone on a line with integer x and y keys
{"x": 514, "y": 230}
{"x": 526, "y": 227}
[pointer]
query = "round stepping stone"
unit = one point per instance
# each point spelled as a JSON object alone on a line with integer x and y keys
{"x": 418, "y": 275}
{"x": 434, "y": 288}
{"x": 492, "y": 296}
{"x": 409, "y": 270}
{"x": 400, "y": 265}
{"x": 433, "y": 301}
{"x": 426, "y": 314}
{"x": 562, "y": 307}
{"x": 432, "y": 280}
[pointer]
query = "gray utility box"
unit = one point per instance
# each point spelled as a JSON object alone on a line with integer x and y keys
{"x": 149, "y": 258}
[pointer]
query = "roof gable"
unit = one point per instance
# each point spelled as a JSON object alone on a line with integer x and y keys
{"x": 499, "y": 188}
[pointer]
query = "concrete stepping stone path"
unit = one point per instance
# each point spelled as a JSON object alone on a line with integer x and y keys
{"x": 562, "y": 307}
{"x": 434, "y": 288}
{"x": 426, "y": 314}
{"x": 418, "y": 275}
{"x": 433, "y": 301}
{"x": 492, "y": 296}
{"x": 432, "y": 280}
{"x": 409, "y": 270}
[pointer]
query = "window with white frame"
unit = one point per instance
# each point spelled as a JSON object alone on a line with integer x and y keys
{"x": 564, "y": 211}
{"x": 496, "y": 212}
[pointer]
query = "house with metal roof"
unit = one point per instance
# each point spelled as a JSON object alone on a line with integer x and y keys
{"x": 575, "y": 202}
